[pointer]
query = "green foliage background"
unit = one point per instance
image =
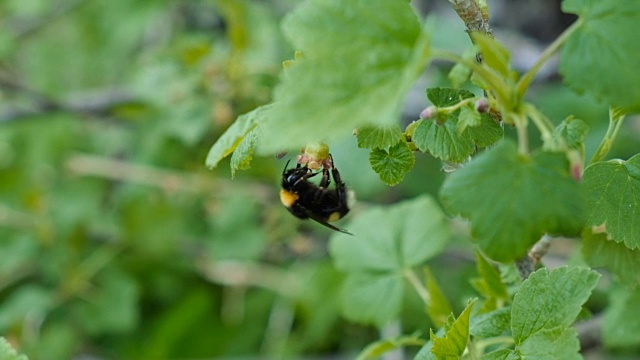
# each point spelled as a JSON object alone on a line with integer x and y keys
{"x": 116, "y": 241}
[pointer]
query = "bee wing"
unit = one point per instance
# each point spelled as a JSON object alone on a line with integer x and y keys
{"x": 323, "y": 222}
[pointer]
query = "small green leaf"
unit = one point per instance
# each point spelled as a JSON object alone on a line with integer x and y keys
{"x": 234, "y": 135}
{"x": 557, "y": 343}
{"x": 9, "y": 353}
{"x": 490, "y": 284}
{"x": 614, "y": 199}
{"x": 573, "y": 131}
{"x": 454, "y": 342}
{"x": 550, "y": 300}
{"x": 460, "y": 73}
{"x": 393, "y": 164}
{"x": 438, "y": 307}
{"x": 500, "y": 192}
{"x": 379, "y": 137}
{"x": 620, "y": 327}
{"x": 468, "y": 117}
{"x": 380, "y": 347}
{"x": 243, "y": 154}
{"x": 443, "y": 141}
{"x": 600, "y": 57}
{"x": 494, "y": 54}
{"x": 377, "y": 256}
{"x": 360, "y": 58}
{"x": 599, "y": 251}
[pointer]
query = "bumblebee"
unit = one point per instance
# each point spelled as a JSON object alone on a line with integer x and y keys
{"x": 306, "y": 200}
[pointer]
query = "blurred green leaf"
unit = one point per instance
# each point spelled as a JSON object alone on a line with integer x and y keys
{"x": 600, "y": 251}
{"x": 439, "y": 307}
{"x": 494, "y": 54}
{"x": 380, "y": 347}
{"x": 376, "y": 257}
{"x": 9, "y": 353}
{"x": 355, "y": 70}
{"x": 620, "y": 325}
{"x": 573, "y": 131}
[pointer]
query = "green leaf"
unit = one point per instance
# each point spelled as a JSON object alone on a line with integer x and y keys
{"x": 438, "y": 307}
{"x": 460, "y": 73}
{"x": 500, "y": 192}
{"x": 359, "y": 59}
{"x": 614, "y": 199}
{"x": 29, "y": 300}
{"x": 600, "y": 57}
{"x": 599, "y": 251}
{"x": 393, "y": 164}
{"x": 491, "y": 324}
{"x": 379, "y": 137}
{"x": 489, "y": 284}
{"x": 443, "y": 139}
{"x": 468, "y": 117}
{"x": 454, "y": 342}
{"x": 243, "y": 154}
{"x": 380, "y": 347}
{"x": 502, "y": 354}
{"x": 620, "y": 327}
{"x": 377, "y": 256}
{"x": 235, "y": 135}
{"x": 414, "y": 231}
{"x": 9, "y": 353}
{"x": 494, "y": 54}
{"x": 556, "y": 343}
{"x": 572, "y": 131}
{"x": 549, "y": 301}
{"x": 372, "y": 298}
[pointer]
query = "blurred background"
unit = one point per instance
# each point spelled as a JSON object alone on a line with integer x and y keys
{"x": 117, "y": 243}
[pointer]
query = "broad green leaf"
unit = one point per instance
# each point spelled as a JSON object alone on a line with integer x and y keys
{"x": 620, "y": 327}
{"x": 359, "y": 59}
{"x": 9, "y": 353}
{"x": 393, "y": 164}
{"x": 614, "y": 199}
{"x": 550, "y": 300}
{"x": 494, "y": 54}
{"x": 380, "y": 347}
{"x": 438, "y": 307}
{"x": 372, "y": 298}
{"x": 234, "y": 136}
{"x": 491, "y": 324}
{"x": 601, "y": 56}
{"x": 599, "y": 251}
{"x": 500, "y": 192}
{"x": 379, "y": 137}
{"x": 572, "y": 131}
{"x": 376, "y": 257}
{"x": 454, "y": 342}
{"x": 487, "y": 133}
{"x": 414, "y": 231}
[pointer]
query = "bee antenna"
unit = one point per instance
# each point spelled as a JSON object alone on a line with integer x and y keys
{"x": 285, "y": 166}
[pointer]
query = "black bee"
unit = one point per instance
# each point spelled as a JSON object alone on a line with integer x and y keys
{"x": 307, "y": 200}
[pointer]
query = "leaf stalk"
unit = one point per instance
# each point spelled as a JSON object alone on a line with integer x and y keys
{"x": 616, "y": 119}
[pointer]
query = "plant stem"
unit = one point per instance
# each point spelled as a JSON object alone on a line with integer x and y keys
{"x": 411, "y": 276}
{"x": 616, "y": 119}
{"x": 543, "y": 124}
{"x": 528, "y": 77}
{"x": 520, "y": 123}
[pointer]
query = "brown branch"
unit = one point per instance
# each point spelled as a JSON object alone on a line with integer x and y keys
{"x": 475, "y": 18}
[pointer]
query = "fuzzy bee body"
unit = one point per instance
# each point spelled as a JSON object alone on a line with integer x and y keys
{"x": 306, "y": 200}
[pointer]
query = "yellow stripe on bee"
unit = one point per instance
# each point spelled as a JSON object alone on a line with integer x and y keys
{"x": 288, "y": 198}
{"x": 334, "y": 216}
